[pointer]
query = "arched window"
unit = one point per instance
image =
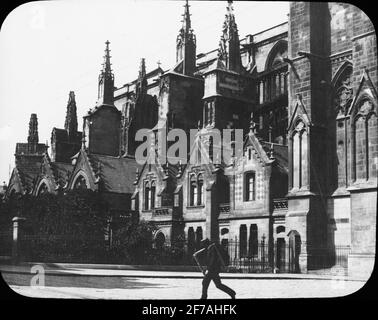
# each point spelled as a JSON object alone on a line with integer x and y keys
{"x": 153, "y": 193}
{"x": 299, "y": 156}
{"x": 304, "y": 179}
{"x": 199, "y": 236}
{"x": 274, "y": 83}
{"x": 196, "y": 189}
{"x": 159, "y": 240}
{"x": 80, "y": 183}
{"x": 372, "y": 133}
{"x": 42, "y": 189}
{"x": 191, "y": 240}
{"x": 243, "y": 240}
{"x": 224, "y": 231}
{"x": 193, "y": 190}
{"x": 250, "y": 186}
{"x": 296, "y": 159}
{"x": 339, "y": 126}
{"x": 200, "y": 190}
{"x": 365, "y": 140}
{"x": 360, "y": 138}
{"x": 205, "y": 113}
{"x": 280, "y": 229}
{"x": 147, "y": 195}
{"x": 253, "y": 240}
{"x": 211, "y": 112}
{"x": 261, "y": 92}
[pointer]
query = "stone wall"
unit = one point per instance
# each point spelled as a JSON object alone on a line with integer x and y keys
{"x": 104, "y": 132}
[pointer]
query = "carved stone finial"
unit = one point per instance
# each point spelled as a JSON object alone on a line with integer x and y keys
{"x": 179, "y": 173}
{"x": 252, "y": 124}
{"x": 136, "y": 176}
{"x": 271, "y": 152}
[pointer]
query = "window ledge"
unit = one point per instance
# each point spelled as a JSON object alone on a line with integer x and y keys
{"x": 196, "y": 207}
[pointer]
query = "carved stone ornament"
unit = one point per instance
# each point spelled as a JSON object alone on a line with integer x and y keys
{"x": 365, "y": 108}
{"x": 344, "y": 95}
{"x": 299, "y": 126}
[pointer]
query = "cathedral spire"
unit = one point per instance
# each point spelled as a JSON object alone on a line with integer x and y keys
{"x": 106, "y": 80}
{"x": 186, "y": 25}
{"x": 186, "y": 44}
{"x": 141, "y": 85}
{"x": 229, "y": 45}
{"x": 106, "y": 66}
{"x": 142, "y": 69}
{"x": 71, "y": 117}
{"x": 33, "y": 133}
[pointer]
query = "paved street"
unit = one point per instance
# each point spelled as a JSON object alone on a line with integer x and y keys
{"x": 118, "y": 284}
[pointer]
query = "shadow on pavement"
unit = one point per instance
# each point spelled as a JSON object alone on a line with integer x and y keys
{"x": 81, "y": 281}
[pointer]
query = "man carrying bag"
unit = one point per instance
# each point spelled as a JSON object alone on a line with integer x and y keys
{"x": 211, "y": 257}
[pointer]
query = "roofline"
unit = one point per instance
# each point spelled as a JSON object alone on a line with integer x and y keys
{"x": 277, "y": 25}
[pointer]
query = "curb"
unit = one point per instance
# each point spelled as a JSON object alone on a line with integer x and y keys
{"x": 72, "y": 273}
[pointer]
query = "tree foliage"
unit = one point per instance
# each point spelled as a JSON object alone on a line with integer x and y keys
{"x": 75, "y": 227}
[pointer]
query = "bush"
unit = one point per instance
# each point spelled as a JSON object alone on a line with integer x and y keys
{"x": 72, "y": 228}
{"x": 61, "y": 228}
{"x": 132, "y": 243}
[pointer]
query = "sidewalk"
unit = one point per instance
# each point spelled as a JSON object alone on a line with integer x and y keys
{"x": 102, "y": 270}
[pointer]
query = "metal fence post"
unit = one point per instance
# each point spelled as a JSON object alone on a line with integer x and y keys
{"x": 263, "y": 252}
{"x": 17, "y": 239}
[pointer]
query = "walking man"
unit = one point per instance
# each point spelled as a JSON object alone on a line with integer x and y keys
{"x": 210, "y": 255}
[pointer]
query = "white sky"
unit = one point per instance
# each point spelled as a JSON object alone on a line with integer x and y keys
{"x": 50, "y": 48}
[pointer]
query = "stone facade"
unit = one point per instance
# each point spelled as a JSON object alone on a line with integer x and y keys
{"x": 304, "y": 94}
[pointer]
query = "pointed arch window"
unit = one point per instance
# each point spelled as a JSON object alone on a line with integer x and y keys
{"x": 193, "y": 190}
{"x": 147, "y": 195}
{"x": 196, "y": 189}
{"x": 299, "y": 156}
{"x": 80, "y": 183}
{"x": 339, "y": 125}
{"x": 250, "y": 186}
{"x": 42, "y": 189}
{"x": 274, "y": 82}
{"x": 200, "y": 190}
{"x": 365, "y": 141}
{"x": 243, "y": 240}
{"x": 372, "y": 138}
{"x": 253, "y": 240}
{"x": 153, "y": 193}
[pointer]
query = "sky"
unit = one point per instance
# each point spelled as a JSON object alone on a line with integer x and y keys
{"x": 49, "y": 48}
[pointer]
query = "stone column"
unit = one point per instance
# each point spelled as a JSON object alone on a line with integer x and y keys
{"x": 17, "y": 236}
{"x": 212, "y": 212}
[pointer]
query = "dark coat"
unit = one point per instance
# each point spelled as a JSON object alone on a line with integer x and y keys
{"x": 213, "y": 262}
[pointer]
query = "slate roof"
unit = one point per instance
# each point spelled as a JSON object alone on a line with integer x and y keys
{"x": 117, "y": 174}
{"x": 28, "y": 167}
{"x": 23, "y": 148}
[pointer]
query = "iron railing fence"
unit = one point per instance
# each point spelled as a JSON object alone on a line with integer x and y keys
{"x": 6, "y": 242}
{"x": 251, "y": 257}
{"x": 278, "y": 256}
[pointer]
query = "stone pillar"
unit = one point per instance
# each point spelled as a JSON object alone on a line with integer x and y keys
{"x": 17, "y": 236}
{"x": 212, "y": 213}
